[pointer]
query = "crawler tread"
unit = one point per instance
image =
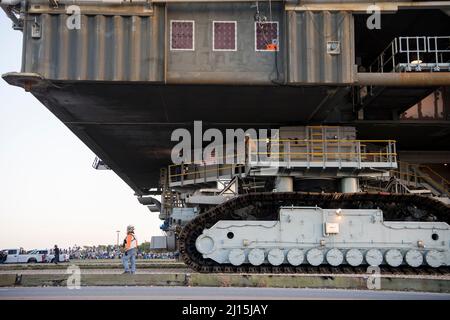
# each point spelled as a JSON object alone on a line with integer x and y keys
{"x": 395, "y": 207}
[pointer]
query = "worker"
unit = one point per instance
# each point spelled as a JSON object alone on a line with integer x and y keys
{"x": 130, "y": 248}
{"x": 56, "y": 259}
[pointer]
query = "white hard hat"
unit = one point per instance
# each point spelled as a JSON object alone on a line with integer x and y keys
{"x": 130, "y": 228}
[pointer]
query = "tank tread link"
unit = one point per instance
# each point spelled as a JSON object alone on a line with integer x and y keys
{"x": 265, "y": 206}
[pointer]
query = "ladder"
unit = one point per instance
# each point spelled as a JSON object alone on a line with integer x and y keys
{"x": 316, "y": 147}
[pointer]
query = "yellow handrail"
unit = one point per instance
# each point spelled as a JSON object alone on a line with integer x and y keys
{"x": 435, "y": 173}
{"x": 427, "y": 167}
{"x": 327, "y": 153}
{"x": 321, "y": 140}
{"x": 444, "y": 186}
{"x": 195, "y": 168}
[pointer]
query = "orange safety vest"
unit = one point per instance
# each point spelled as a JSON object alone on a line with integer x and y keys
{"x": 131, "y": 242}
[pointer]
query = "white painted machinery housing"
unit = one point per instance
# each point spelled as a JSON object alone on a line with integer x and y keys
{"x": 315, "y": 236}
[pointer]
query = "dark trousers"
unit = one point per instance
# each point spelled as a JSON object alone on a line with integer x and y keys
{"x": 56, "y": 259}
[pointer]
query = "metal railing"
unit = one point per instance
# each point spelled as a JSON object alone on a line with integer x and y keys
{"x": 290, "y": 153}
{"x": 325, "y": 153}
{"x": 415, "y": 176}
{"x": 406, "y": 54}
{"x": 193, "y": 173}
{"x": 444, "y": 183}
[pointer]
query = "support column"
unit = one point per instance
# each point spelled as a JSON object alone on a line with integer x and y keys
{"x": 349, "y": 185}
{"x": 284, "y": 184}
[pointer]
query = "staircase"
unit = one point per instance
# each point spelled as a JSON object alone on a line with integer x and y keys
{"x": 418, "y": 176}
{"x": 169, "y": 199}
{"x": 412, "y": 178}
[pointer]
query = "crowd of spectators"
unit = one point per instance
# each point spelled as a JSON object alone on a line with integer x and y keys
{"x": 112, "y": 252}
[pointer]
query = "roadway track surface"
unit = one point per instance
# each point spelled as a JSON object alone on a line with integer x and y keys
{"x": 207, "y": 293}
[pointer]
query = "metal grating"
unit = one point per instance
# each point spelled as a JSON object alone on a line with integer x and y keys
{"x": 266, "y": 36}
{"x": 224, "y": 35}
{"x": 182, "y": 35}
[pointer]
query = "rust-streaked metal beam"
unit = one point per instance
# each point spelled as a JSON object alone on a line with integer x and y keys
{"x": 292, "y": 4}
{"x": 86, "y": 8}
{"x": 422, "y": 79}
{"x": 132, "y": 2}
{"x": 361, "y": 6}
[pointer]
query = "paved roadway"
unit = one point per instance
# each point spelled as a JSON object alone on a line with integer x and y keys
{"x": 185, "y": 271}
{"x": 207, "y": 293}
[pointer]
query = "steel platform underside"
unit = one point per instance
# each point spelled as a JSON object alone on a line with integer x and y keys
{"x": 129, "y": 125}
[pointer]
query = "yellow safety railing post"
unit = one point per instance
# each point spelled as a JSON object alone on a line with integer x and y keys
{"x": 358, "y": 146}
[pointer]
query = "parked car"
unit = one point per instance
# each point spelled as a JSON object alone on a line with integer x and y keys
{"x": 50, "y": 256}
{"x": 21, "y": 256}
{"x": 40, "y": 252}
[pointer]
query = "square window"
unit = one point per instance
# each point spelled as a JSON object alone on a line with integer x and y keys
{"x": 266, "y": 36}
{"x": 182, "y": 35}
{"x": 224, "y": 35}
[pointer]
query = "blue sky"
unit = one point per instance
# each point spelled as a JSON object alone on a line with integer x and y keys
{"x": 49, "y": 193}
